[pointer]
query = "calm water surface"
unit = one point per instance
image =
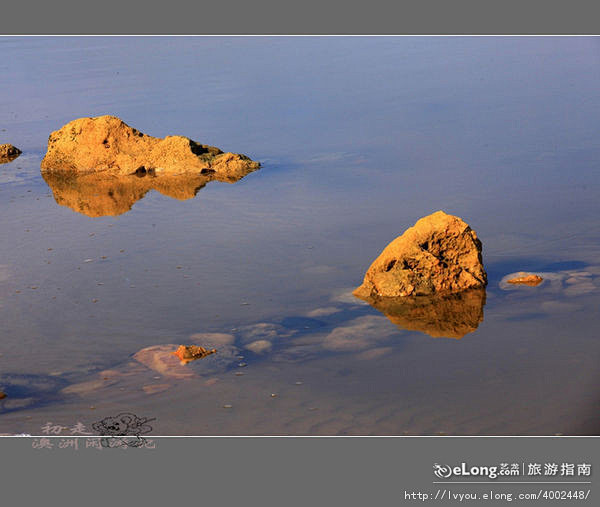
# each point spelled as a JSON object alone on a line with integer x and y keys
{"x": 358, "y": 138}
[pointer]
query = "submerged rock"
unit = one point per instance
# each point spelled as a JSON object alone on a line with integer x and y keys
{"x": 448, "y": 316}
{"x": 163, "y": 360}
{"x": 107, "y": 144}
{"x": 439, "y": 255}
{"x": 101, "y": 194}
{"x": 8, "y": 153}
{"x": 523, "y": 278}
{"x": 188, "y": 353}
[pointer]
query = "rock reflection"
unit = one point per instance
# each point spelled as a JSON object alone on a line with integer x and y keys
{"x": 101, "y": 194}
{"x": 450, "y": 316}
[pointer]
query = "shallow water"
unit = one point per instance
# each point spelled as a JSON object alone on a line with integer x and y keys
{"x": 358, "y": 138}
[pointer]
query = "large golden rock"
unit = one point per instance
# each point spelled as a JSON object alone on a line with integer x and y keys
{"x": 107, "y": 144}
{"x": 439, "y": 255}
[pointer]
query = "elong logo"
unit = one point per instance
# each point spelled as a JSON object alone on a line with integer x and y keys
{"x": 442, "y": 471}
{"x": 446, "y": 471}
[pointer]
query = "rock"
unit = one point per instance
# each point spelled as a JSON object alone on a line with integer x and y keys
{"x": 161, "y": 359}
{"x": 2, "y": 395}
{"x": 523, "y": 278}
{"x": 107, "y": 144}
{"x": 440, "y": 254}
{"x": 8, "y": 153}
{"x": 447, "y": 316}
{"x": 189, "y": 353}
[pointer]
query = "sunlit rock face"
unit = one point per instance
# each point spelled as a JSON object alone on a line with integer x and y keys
{"x": 106, "y": 144}
{"x": 8, "y": 153}
{"x": 449, "y": 315}
{"x": 439, "y": 255}
{"x": 101, "y": 194}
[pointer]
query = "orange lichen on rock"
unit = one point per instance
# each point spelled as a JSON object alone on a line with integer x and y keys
{"x": 440, "y": 254}
{"x": 187, "y": 353}
{"x": 526, "y": 279}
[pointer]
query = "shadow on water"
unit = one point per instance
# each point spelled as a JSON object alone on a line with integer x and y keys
{"x": 29, "y": 391}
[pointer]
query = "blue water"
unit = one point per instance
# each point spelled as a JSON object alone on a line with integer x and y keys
{"x": 358, "y": 138}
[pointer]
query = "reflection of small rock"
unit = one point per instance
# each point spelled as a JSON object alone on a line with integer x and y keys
{"x": 189, "y": 353}
{"x": 8, "y": 153}
{"x": 449, "y": 316}
{"x": 440, "y": 254}
{"x": 523, "y": 278}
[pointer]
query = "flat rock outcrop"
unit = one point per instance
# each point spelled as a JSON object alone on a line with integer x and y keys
{"x": 8, "y": 153}
{"x": 107, "y": 144}
{"x": 439, "y": 255}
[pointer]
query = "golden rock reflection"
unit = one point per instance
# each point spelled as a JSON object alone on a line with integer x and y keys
{"x": 102, "y": 194}
{"x": 449, "y": 316}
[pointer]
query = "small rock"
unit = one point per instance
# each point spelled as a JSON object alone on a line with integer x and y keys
{"x": 526, "y": 279}
{"x": 2, "y": 395}
{"x": 8, "y": 153}
{"x": 188, "y": 353}
{"x": 166, "y": 363}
